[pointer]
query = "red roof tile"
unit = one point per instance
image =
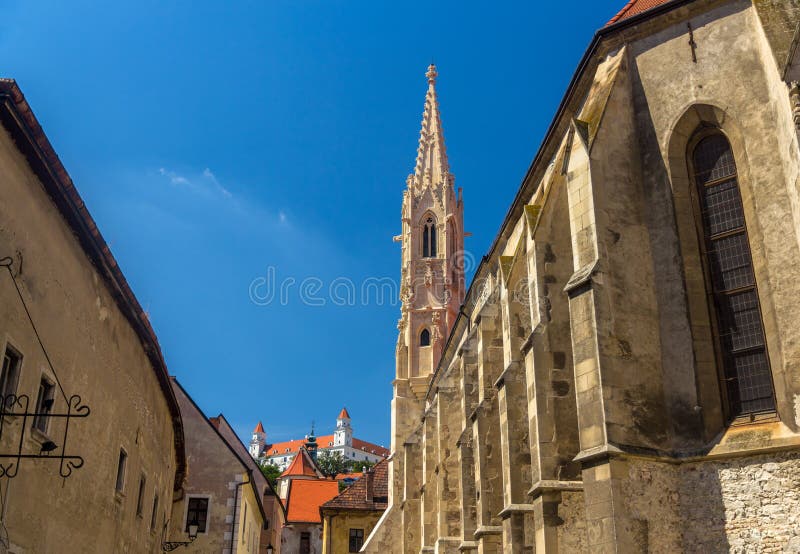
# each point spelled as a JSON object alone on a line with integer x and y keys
{"x": 343, "y": 414}
{"x": 325, "y": 441}
{"x": 259, "y": 428}
{"x": 354, "y": 497}
{"x": 344, "y": 476}
{"x": 302, "y": 465}
{"x": 365, "y": 446}
{"x": 635, "y": 7}
{"x": 305, "y": 498}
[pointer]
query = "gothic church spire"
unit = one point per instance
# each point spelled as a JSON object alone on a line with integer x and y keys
{"x": 431, "y": 167}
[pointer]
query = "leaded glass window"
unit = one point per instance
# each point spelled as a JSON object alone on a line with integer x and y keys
{"x": 737, "y": 310}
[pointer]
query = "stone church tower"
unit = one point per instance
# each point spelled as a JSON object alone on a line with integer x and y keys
{"x": 432, "y": 272}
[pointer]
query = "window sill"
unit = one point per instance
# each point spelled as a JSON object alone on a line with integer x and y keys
{"x": 754, "y": 419}
{"x": 39, "y": 437}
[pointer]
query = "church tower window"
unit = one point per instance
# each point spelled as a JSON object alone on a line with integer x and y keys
{"x": 739, "y": 331}
{"x": 425, "y": 338}
{"x": 429, "y": 238}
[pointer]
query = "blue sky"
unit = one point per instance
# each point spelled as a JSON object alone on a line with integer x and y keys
{"x": 214, "y": 140}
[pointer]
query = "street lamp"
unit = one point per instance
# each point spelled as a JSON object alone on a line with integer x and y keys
{"x": 170, "y": 546}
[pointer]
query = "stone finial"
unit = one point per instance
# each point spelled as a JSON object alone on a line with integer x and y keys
{"x": 431, "y": 74}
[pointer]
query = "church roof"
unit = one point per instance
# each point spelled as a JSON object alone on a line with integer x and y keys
{"x": 634, "y": 7}
{"x": 302, "y": 465}
{"x": 290, "y": 448}
{"x": 259, "y": 428}
{"x": 355, "y": 496}
{"x": 305, "y": 498}
{"x": 343, "y": 414}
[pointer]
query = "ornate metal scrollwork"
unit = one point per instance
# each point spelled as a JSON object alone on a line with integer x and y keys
{"x": 19, "y": 406}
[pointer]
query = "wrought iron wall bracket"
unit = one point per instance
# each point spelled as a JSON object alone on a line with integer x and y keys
{"x": 19, "y": 406}
{"x": 170, "y": 546}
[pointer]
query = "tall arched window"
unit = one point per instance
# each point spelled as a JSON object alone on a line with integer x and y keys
{"x": 737, "y": 310}
{"x": 429, "y": 238}
{"x": 425, "y": 338}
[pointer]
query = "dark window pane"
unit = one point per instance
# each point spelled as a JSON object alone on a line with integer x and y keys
{"x": 751, "y": 382}
{"x": 197, "y": 513}
{"x": 356, "y": 539}
{"x": 748, "y": 380}
{"x": 722, "y": 207}
{"x": 425, "y": 338}
{"x": 713, "y": 159}
{"x": 729, "y": 258}
{"x": 740, "y": 321}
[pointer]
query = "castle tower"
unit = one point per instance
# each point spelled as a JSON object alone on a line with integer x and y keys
{"x": 343, "y": 435}
{"x": 432, "y": 271}
{"x": 258, "y": 441}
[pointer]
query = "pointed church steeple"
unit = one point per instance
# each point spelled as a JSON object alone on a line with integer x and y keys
{"x": 432, "y": 272}
{"x": 431, "y": 167}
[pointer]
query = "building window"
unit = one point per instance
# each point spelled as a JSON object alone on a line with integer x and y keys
{"x": 425, "y": 338}
{"x": 429, "y": 238}
{"x": 739, "y": 332}
{"x": 244, "y": 526}
{"x": 9, "y": 377}
{"x": 356, "y": 539}
{"x": 305, "y": 543}
{"x": 154, "y": 515}
{"x": 44, "y": 404}
{"x": 140, "y": 496}
{"x": 123, "y": 461}
{"x": 197, "y": 513}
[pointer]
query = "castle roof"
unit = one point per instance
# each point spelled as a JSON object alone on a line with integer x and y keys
{"x": 305, "y": 498}
{"x": 290, "y": 448}
{"x": 355, "y": 496}
{"x": 259, "y": 428}
{"x": 302, "y": 465}
{"x": 343, "y": 414}
{"x": 634, "y": 7}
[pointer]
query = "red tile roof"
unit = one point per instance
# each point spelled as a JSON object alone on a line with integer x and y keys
{"x": 358, "y": 444}
{"x": 302, "y": 465}
{"x": 343, "y": 414}
{"x": 325, "y": 441}
{"x": 345, "y": 476}
{"x": 354, "y": 497}
{"x": 259, "y": 428}
{"x": 635, "y": 7}
{"x": 305, "y": 498}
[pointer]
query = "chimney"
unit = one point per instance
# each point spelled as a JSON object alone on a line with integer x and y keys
{"x": 369, "y": 479}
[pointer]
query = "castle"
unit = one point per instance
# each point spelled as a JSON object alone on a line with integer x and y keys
{"x": 623, "y": 372}
{"x": 341, "y": 441}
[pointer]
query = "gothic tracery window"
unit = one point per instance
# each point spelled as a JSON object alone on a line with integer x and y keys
{"x": 737, "y": 310}
{"x": 429, "y": 238}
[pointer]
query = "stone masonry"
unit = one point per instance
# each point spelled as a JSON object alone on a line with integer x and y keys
{"x": 589, "y": 391}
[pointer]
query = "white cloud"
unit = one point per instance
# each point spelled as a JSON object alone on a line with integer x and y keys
{"x": 282, "y": 217}
{"x": 173, "y": 177}
{"x": 206, "y": 183}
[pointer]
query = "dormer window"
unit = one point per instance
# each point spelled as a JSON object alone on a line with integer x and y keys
{"x": 429, "y": 238}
